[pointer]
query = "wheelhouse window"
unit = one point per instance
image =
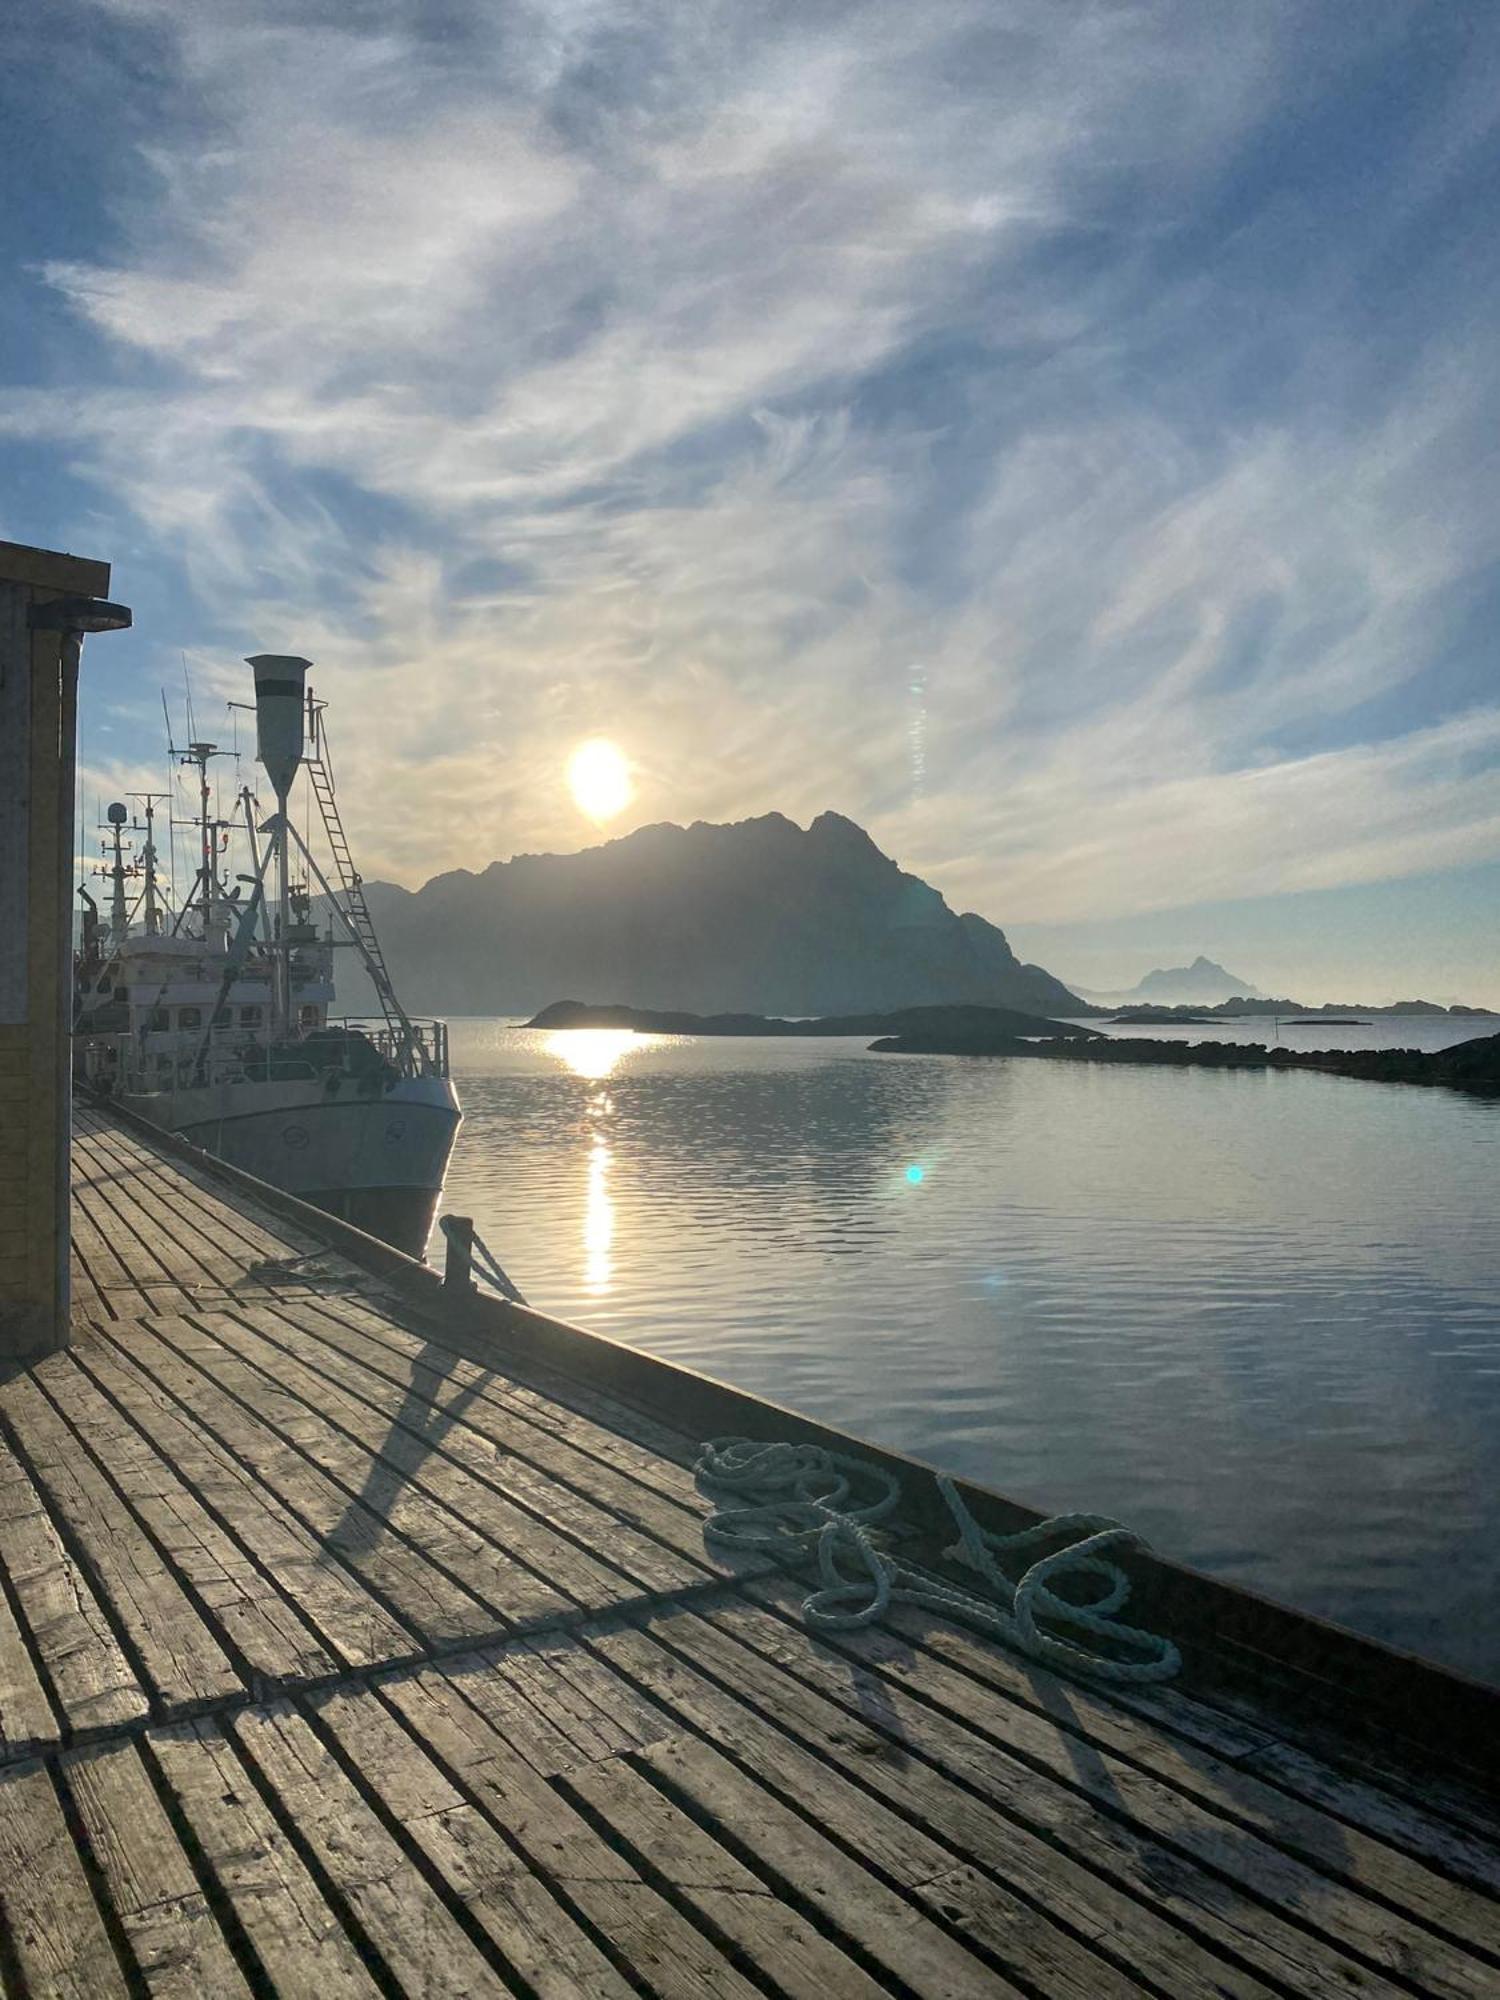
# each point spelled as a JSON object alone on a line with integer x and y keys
{"x": 309, "y": 1017}
{"x": 190, "y": 1017}
{"x": 161, "y": 1020}
{"x": 251, "y": 1017}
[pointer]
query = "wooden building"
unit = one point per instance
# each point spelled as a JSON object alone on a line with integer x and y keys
{"x": 47, "y": 602}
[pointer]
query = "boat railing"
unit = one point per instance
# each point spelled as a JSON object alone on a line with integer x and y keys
{"x": 191, "y": 1060}
{"x": 419, "y": 1048}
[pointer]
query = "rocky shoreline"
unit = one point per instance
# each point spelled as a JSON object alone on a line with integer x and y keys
{"x": 1472, "y": 1066}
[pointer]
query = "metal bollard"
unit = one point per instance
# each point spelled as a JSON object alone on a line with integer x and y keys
{"x": 459, "y": 1231}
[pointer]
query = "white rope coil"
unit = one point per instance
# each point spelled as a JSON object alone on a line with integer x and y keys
{"x": 800, "y": 1502}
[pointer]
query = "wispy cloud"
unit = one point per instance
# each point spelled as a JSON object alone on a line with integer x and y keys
{"x": 700, "y": 375}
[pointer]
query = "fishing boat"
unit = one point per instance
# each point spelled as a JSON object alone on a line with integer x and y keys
{"x": 216, "y": 1021}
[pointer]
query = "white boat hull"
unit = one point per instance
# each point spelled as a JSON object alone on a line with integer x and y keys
{"x": 376, "y": 1160}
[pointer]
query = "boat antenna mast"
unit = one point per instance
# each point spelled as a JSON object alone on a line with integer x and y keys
{"x": 151, "y": 894}
{"x": 206, "y": 893}
{"x": 117, "y": 873}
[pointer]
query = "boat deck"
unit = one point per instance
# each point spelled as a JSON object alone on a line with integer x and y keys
{"x": 342, "y": 1654}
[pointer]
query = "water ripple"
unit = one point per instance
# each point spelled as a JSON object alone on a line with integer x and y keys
{"x": 1256, "y": 1315}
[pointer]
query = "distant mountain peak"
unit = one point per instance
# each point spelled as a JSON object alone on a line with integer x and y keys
{"x": 1203, "y": 980}
{"x": 837, "y": 826}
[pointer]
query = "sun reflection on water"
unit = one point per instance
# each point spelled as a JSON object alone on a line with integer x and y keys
{"x": 594, "y": 1053}
{"x": 598, "y": 1221}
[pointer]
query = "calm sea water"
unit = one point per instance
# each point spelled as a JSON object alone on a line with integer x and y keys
{"x": 1257, "y": 1317}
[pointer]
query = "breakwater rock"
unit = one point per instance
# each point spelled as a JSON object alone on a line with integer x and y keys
{"x": 1471, "y": 1065}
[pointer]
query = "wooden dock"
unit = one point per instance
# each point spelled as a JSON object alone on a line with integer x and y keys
{"x": 356, "y": 1640}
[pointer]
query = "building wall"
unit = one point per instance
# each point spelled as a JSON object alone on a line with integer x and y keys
{"x": 37, "y": 728}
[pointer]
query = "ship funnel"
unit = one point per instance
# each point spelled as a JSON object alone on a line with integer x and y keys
{"x": 279, "y": 709}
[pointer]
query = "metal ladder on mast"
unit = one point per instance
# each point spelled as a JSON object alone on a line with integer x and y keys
{"x": 320, "y": 776}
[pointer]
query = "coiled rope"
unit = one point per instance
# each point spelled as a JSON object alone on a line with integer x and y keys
{"x": 797, "y": 1502}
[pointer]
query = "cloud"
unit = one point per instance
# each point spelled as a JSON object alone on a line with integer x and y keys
{"x": 695, "y": 376}
{"x": 1425, "y": 801}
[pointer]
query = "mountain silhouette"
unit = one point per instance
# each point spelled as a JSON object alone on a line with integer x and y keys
{"x": 761, "y": 916}
{"x": 1201, "y": 981}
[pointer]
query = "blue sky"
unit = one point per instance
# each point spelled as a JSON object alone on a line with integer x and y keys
{"x": 1060, "y": 436}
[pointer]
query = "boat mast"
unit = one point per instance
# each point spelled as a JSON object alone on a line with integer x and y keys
{"x": 152, "y": 908}
{"x": 247, "y": 807}
{"x": 119, "y": 915}
{"x": 280, "y": 682}
{"x": 206, "y": 895}
{"x": 208, "y": 871}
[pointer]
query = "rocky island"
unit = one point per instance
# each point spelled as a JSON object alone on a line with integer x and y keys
{"x": 1331, "y": 1014}
{"x": 1159, "y": 1016}
{"x": 965, "y": 1029}
{"x": 1472, "y": 1066}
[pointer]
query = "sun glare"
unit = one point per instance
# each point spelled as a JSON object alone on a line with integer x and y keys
{"x": 600, "y": 778}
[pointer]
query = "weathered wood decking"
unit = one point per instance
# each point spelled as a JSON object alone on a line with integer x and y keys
{"x": 342, "y": 1654}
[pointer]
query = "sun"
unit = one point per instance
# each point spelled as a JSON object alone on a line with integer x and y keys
{"x": 600, "y": 779}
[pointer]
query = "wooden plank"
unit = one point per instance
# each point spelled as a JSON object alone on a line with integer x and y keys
{"x": 1263, "y": 1862}
{"x": 1470, "y": 1857}
{"x": 1459, "y": 1798}
{"x": 501, "y": 1558}
{"x": 126, "y": 1184}
{"x": 299, "y": 1939}
{"x": 196, "y": 1186}
{"x": 110, "y": 1274}
{"x": 184, "y": 1664}
{"x": 1226, "y": 1924}
{"x": 423, "y": 1597}
{"x": 610, "y": 1431}
{"x": 858, "y": 1907}
{"x": 27, "y": 1723}
{"x": 425, "y": 1950}
{"x": 354, "y": 1625}
{"x": 534, "y": 1934}
{"x": 1342, "y": 1848}
{"x": 140, "y": 1256}
{"x": 87, "y": 1302}
{"x": 1076, "y": 1898}
{"x": 530, "y": 1693}
{"x": 437, "y": 1372}
{"x": 661, "y": 1952}
{"x": 419, "y": 1406}
{"x": 1344, "y": 1915}
{"x": 258, "y": 1627}
{"x": 416, "y": 1444}
{"x": 92, "y": 1681}
{"x": 196, "y": 1198}
{"x": 159, "y": 1903}
{"x": 549, "y": 1692}
{"x": 195, "y": 1260}
{"x": 213, "y": 1246}
{"x": 982, "y": 1909}
{"x": 52, "y": 1925}
{"x": 788, "y": 1954}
